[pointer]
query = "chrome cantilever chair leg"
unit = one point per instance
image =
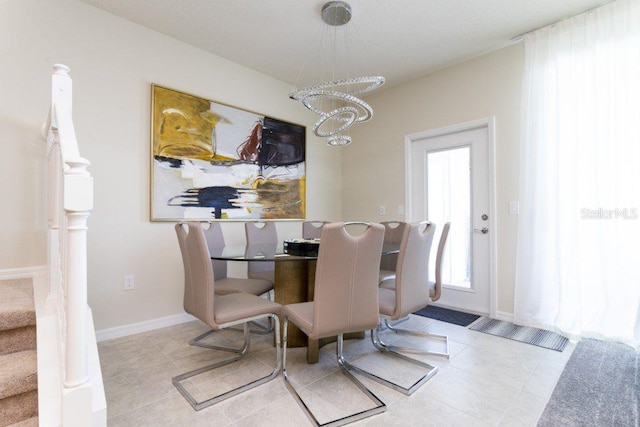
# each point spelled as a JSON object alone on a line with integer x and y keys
{"x": 241, "y": 352}
{"x": 431, "y": 370}
{"x": 257, "y": 328}
{"x": 391, "y": 327}
{"x": 380, "y": 405}
{"x": 196, "y": 342}
{"x": 261, "y": 330}
{"x": 394, "y": 323}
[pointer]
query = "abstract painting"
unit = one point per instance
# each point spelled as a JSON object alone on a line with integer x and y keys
{"x": 213, "y": 161}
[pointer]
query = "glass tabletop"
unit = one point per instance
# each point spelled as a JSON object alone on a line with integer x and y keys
{"x": 271, "y": 252}
{"x": 255, "y": 252}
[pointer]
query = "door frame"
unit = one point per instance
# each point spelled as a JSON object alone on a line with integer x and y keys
{"x": 488, "y": 123}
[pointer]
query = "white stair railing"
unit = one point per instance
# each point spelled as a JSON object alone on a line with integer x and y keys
{"x": 70, "y": 201}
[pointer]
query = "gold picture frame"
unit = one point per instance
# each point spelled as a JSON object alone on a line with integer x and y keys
{"x": 212, "y": 161}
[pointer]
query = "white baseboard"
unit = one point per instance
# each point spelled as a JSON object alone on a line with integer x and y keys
{"x": 505, "y": 316}
{"x": 147, "y": 325}
{"x": 23, "y": 273}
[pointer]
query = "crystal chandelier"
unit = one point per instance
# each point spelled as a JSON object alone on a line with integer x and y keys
{"x": 336, "y": 101}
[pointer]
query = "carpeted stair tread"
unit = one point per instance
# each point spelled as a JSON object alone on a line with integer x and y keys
{"x": 16, "y": 305}
{"x": 18, "y": 373}
{"x": 19, "y": 339}
{"x": 31, "y": 422}
{"x": 19, "y": 409}
{"x": 18, "y": 357}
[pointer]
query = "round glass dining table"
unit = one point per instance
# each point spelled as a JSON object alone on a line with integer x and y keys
{"x": 294, "y": 283}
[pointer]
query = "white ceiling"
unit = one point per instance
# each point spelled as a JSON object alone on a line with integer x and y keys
{"x": 399, "y": 39}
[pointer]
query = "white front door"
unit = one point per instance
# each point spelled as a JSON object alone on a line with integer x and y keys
{"x": 449, "y": 180}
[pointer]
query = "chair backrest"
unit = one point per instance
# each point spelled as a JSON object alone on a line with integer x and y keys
{"x": 346, "y": 285}
{"x": 412, "y": 274}
{"x": 260, "y": 232}
{"x": 312, "y": 229}
{"x": 181, "y": 232}
{"x": 439, "y": 261}
{"x": 393, "y": 232}
{"x": 199, "y": 282}
{"x": 256, "y": 234}
{"x": 215, "y": 239}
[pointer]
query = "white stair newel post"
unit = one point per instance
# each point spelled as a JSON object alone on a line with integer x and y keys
{"x": 78, "y": 202}
{"x": 81, "y": 401}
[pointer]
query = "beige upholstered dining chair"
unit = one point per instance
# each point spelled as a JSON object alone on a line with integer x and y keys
{"x": 393, "y": 232}
{"x": 228, "y": 285}
{"x": 261, "y": 232}
{"x": 410, "y": 293}
{"x": 218, "y": 311}
{"x": 435, "y": 288}
{"x": 312, "y": 229}
{"x": 345, "y": 300}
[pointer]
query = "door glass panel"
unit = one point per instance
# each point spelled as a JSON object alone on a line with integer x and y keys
{"x": 449, "y": 200}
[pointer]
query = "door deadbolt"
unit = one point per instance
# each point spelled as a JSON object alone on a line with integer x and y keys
{"x": 484, "y": 217}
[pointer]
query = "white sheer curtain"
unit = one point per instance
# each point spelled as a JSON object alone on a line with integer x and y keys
{"x": 578, "y": 255}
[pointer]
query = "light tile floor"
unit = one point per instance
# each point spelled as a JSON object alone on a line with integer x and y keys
{"x": 488, "y": 381}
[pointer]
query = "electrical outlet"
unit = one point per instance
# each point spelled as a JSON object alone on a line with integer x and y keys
{"x": 129, "y": 282}
{"x": 382, "y": 210}
{"x": 514, "y": 208}
{"x": 400, "y": 210}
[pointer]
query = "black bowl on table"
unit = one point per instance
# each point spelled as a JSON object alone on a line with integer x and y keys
{"x": 302, "y": 247}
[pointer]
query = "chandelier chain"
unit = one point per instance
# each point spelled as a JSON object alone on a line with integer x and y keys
{"x": 335, "y": 101}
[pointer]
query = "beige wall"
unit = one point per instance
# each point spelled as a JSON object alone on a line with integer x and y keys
{"x": 373, "y": 170}
{"x": 113, "y": 64}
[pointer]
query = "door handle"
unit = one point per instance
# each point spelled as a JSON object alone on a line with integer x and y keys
{"x": 484, "y": 230}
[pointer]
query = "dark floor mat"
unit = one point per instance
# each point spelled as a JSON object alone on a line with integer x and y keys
{"x": 446, "y": 315}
